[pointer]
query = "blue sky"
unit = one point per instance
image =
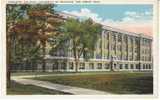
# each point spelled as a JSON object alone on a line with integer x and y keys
{"x": 130, "y": 17}
{"x": 115, "y": 12}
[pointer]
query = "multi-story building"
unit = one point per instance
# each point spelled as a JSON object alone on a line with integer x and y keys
{"x": 116, "y": 49}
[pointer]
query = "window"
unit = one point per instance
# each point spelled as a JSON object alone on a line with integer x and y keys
{"x": 99, "y": 66}
{"x": 144, "y": 67}
{"x": 130, "y": 57}
{"x": 136, "y": 49}
{"x": 61, "y": 52}
{"x": 115, "y": 66}
{"x": 132, "y": 67}
{"x": 137, "y": 66}
{"x": 55, "y": 66}
{"x": 119, "y": 38}
{"x": 119, "y": 47}
{"x": 106, "y": 66}
{"x": 113, "y": 46}
{"x": 113, "y": 37}
{"x": 126, "y": 66}
{"x": 143, "y": 41}
{"x": 98, "y": 56}
{"x": 91, "y": 66}
{"x": 125, "y": 38}
{"x": 149, "y": 66}
{"x": 70, "y": 65}
{"x": 82, "y": 66}
{"x": 131, "y": 39}
{"x": 63, "y": 65}
{"x": 121, "y": 66}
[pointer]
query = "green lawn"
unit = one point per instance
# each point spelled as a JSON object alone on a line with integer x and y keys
{"x": 34, "y": 73}
{"x": 79, "y": 73}
{"x": 120, "y": 83}
{"x": 20, "y": 89}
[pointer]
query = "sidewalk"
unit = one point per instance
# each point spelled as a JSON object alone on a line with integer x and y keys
{"x": 59, "y": 87}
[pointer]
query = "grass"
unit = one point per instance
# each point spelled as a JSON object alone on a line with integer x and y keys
{"x": 34, "y": 73}
{"x": 119, "y": 83}
{"x": 20, "y": 89}
{"x": 54, "y": 73}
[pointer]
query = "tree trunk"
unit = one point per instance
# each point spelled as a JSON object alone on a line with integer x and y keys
{"x": 8, "y": 74}
{"x": 77, "y": 65}
{"x": 8, "y": 69}
{"x": 33, "y": 63}
{"x": 43, "y": 60}
{"x": 112, "y": 67}
{"x": 76, "y": 56}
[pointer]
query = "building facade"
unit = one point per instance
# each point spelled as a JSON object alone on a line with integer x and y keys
{"x": 116, "y": 50}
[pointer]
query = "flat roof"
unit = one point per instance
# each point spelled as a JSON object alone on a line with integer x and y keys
{"x": 126, "y": 32}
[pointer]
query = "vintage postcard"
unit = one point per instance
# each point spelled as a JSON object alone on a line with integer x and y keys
{"x": 81, "y": 47}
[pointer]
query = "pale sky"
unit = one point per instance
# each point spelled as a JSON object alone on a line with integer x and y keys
{"x": 133, "y": 18}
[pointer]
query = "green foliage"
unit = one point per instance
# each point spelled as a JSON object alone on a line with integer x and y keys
{"x": 83, "y": 34}
{"x": 92, "y": 33}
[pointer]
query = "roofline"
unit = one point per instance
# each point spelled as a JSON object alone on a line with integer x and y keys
{"x": 126, "y": 32}
{"x": 64, "y": 13}
{"x": 112, "y": 28}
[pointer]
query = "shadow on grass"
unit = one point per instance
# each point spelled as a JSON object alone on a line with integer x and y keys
{"x": 20, "y": 89}
{"x": 127, "y": 83}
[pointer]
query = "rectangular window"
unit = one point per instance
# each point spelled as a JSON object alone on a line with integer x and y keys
{"x": 82, "y": 66}
{"x": 126, "y": 66}
{"x": 99, "y": 66}
{"x": 63, "y": 65}
{"x": 119, "y": 38}
{"x": 144, "y": 67}
{"x": 107, "y": 66}
{"x": 71, "y": 65}
{"x": 149, "y": 66}
{"x": 132, "y": 67}
{"x": 137, "y": 66}
{"x": 91, "y": 66}
{"x": 98, "y": 56}
{"x": 120, "y": 66}
{"x": 55, "y": 66}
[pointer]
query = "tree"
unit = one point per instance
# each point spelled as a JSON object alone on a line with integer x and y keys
{"x": 31, "y": 26}
{"x": 27, "y": 46}
{"x": 45, "y": 17}
{"x": 13, "y": 14}
{"x": 92, "y": 33}
{"x": 83, "y": 35}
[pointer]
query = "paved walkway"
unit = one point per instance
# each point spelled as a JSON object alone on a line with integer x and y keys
{"x": 59, "y": 87}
